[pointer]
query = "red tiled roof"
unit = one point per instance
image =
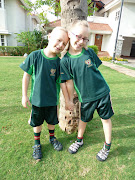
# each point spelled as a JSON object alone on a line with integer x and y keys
{"x": 54, "y": 23}
{"x": 99, "y": 27}
{"x": 93, "y": 26}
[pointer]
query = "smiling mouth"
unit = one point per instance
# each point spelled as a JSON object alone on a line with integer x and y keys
{"x": 78, "y": 46}
{"x": 58, "y": 49}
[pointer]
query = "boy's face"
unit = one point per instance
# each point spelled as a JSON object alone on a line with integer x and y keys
{"x": 79, "y": 37}
{"x": 57, "y": 41}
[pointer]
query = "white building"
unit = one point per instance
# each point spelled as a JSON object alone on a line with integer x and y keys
{"x": 104, "y": 25}
{"x": 109, "y": 14}
{"x": 14, "y": 19}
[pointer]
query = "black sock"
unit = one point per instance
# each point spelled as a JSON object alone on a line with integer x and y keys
{"x": 37, "y": 138}
{"x": 51, "y": 133}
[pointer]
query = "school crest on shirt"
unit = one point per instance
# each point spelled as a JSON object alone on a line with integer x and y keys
{"x": 52, "y": 72}
{"x": 88, "y": 62}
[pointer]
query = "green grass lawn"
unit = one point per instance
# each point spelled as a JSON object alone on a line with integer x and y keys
{"x": 126, "y": 66}
{"x": 16, "y": 136}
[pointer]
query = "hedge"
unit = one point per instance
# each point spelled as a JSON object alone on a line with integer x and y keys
{"x": 12, "y": 50}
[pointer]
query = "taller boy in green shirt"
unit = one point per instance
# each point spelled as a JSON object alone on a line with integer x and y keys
{"x": 81, "y": 66}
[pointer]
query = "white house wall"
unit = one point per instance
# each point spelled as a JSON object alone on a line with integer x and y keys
{"x": 114, "y": 25}
{"x": 106, "y": 43}
{"x": 127, "y": 28}
{"x": 14, "y": 19}
{"x": 2, "y": 20}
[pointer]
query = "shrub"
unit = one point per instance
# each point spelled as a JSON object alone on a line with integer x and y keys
{"x": 32, "y": 40}
{"x": 95, "y": 48}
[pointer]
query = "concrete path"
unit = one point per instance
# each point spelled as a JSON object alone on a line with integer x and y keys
{"x": 121, "y": 69}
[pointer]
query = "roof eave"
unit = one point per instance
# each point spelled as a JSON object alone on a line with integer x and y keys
{"x": 22, "y": 1}
{"x": 109, "y": 6}
{"x": 100, "y": 32}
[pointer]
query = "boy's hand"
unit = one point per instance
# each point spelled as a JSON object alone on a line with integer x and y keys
{"x": 69, "y": 105}
{"x": 25, "y": 100}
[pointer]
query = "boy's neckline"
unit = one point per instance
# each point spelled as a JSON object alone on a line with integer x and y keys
{"x": 43, "y": 54}
{"x": 75, "y": 56}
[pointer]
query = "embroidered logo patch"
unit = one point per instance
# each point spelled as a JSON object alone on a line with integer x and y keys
{"x": 52, "y": 72}
{"x": 88, "y": 62}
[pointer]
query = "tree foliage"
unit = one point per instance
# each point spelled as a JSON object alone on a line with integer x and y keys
{"x": 52, "y": 5}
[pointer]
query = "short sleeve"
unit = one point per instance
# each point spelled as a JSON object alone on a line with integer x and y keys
{"x": 95, "y": 58}
{"x": 28, "y": 64}
{"x": 64, "y": 70}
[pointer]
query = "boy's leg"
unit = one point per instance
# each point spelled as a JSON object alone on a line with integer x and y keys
{"x": 56, "y": 144}
{"x": 81, "y": 128}
{"x": 107, "y": 127}
{"x": 36, "y": 121}
{"x": 51, "y": 129}
{"x": 37, "y": 154}
{"x": 75, "y": 146}
{"x": 37, "y": 132}
{"x": 104, "y": 152}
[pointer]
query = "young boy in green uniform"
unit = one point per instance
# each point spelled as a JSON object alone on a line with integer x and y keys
{"x": 81, "y": 66}
{"x": 43, "y": 66}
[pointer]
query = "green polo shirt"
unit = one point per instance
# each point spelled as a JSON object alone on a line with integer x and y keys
{"x": 45, "y": 74}
{"x": 83, "y": 69}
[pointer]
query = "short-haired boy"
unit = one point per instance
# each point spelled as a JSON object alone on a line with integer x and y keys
{"x": 43, "y": 67}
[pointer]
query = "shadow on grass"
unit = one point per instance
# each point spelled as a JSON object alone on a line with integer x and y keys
{"x": 121, "y": 150}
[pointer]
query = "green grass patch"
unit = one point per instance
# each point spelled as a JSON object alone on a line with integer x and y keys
{"x": 16, "y": 136}
{"x": 126, "y": 66}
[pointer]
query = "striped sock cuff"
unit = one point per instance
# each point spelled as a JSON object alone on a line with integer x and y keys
{"x": 36, "y": 137}
{"x": 51, "y": 134}
{"x": 107, "y": 146}
{"x": 79, "y": 137}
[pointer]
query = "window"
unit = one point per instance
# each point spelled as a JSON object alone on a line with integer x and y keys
{"x": 117, "y": 15}
{"x": 2, "y": 40}
{"x": 2, "y": 3}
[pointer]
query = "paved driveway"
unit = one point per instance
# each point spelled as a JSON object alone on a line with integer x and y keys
{"x": 121, "y": 69}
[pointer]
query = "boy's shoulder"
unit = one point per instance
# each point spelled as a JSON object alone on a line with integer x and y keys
{"x": 36, "y": 52}
{"x": 91, "y": 51}
{"x": 64, "y": 58}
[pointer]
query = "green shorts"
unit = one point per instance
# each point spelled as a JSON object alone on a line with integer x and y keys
{"x": 103, "y": 107}
{"x": 41, "y": 114}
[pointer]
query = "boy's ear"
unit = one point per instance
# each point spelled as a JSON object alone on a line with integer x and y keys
{"x": 49, "y": 35}
{"x": 69, "y": 34}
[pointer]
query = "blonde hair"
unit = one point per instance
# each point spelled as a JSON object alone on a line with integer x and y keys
{"x": 79, "y": 23}
{"x": 59, "y": 28}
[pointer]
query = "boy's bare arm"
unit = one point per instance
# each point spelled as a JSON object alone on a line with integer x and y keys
{"x": 68, "y": 104}
{"x": 25, "y": 85}
{"x": 70, "y": 89}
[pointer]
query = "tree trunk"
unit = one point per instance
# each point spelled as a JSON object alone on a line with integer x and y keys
{"x": 71, "y": 10}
